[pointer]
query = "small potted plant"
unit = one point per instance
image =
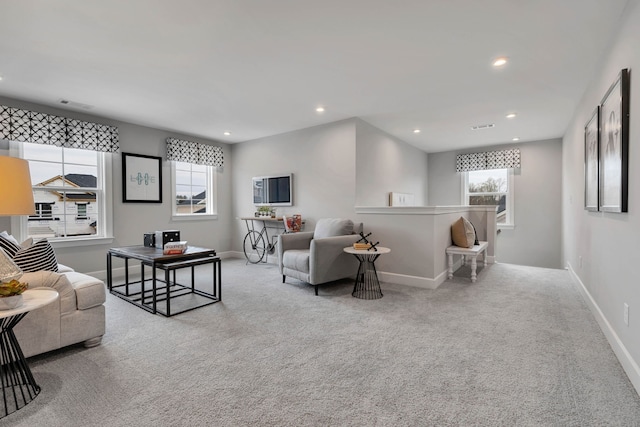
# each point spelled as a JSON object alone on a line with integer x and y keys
{"x": 11, "y": 294}
{"x": 264, "y": 210}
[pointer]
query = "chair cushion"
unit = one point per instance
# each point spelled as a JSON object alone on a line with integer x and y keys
{"x": 329, "y": 227}
{"x": 296, "y": 259}
{"x": 462, "y": 233}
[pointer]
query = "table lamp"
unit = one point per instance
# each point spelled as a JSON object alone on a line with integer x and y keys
{"x": 16, "y": 194}
{"x": 16, "y": 198}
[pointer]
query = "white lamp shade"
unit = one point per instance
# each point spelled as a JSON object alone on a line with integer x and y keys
{"x": 16, "y": 194}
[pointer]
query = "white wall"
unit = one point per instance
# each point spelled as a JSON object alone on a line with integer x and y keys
{"x": 386, "y": 164}
{"x": 602, "y": 248}
{"x": 322, "y": 160}
{"x": 536, "y": 238}
{"x": 132, "y": 220}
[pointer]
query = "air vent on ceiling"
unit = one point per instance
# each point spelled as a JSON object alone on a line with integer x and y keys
{"x": 74, "y": 104}
{"x": 480, "y": 127}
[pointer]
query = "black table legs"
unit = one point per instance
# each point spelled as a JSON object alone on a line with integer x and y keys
{"x": 367, "y": 285}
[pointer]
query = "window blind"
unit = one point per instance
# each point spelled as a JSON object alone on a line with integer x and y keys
{"x": 40, "y": 128}
{"x": 501, "y": 159}
{"x": 194, "y": 152}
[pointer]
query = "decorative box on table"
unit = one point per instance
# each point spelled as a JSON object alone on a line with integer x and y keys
{"x": 166, "y": 236}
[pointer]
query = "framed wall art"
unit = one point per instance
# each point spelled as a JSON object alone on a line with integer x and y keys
{"x": 614, "y": 146}
{"x": 141, "y": 178}
{"x": 591, "y": 161}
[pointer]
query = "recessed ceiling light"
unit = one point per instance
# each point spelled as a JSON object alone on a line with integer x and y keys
{"x": 511, "y": 115}
{"x": 320, "y": 110}
{"x": 227, "y": 133}
{"x": 416, "y": 131}
{"x": 0, "y": 78}
{"x": 516, "y": 139}
{"x": 499, "y": 62}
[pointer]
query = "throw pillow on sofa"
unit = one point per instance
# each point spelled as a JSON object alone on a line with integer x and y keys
{"x": 463, "y": 233}
{"x": 9, "y": 244}
{"x": 39, "y": 256}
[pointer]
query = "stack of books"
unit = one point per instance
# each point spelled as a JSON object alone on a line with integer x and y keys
{"x": 175, "y": 248}
{"x": 361, "y": 246}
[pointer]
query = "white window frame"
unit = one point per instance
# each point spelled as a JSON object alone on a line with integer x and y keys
{"x": 104, "y": 233}
{"x": 510, "y": 220}
{"x": 212, "y": 197}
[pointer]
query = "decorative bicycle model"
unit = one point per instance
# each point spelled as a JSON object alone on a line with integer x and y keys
{"x": 258, "y": 245}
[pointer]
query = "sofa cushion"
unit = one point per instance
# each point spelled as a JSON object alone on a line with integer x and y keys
{"x": 64, "y": 268}
{"x": 9, "y": 245}
{"x": 296, "y": 259}
{"x": 462, "y": 233}
{"x": 59, "y": 282}
{"x": 328, "y": 227}
{"x": 8, "y": 269}
{"x": 8, "y": 236}
{"x": 90, "y": 291}
{"x": 39, "y": 256}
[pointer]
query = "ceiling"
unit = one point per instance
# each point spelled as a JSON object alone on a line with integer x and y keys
{"x": 260, "y": 68}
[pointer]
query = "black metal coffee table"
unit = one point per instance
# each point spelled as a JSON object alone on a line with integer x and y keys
{"x": 157, "y": 298}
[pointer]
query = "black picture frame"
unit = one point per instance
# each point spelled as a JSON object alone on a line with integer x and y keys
{"x": 141, "y": 178}
{"x": 614, "y": 146}
{"x": 592, "y": 162}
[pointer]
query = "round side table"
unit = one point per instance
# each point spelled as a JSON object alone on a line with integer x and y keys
{"x": 18, "y": 385}
{"x": 367, "y": 285}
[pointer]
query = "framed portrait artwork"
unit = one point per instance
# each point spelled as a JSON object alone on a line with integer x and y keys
{"x": 591, "y": 160}
{"x": 614, "y": 146}
{"x": 141, "y": 178}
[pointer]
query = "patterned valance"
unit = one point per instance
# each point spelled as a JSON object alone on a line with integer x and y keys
{"x": 502, "y": 159}
{"x": 40, "y": 128}
{"x": 193, "y": 152}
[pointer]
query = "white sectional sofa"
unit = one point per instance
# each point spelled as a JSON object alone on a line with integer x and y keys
{"x": 76, "y": 316}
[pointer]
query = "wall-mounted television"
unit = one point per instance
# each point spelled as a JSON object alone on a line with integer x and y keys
{"x": 275, "y": 190}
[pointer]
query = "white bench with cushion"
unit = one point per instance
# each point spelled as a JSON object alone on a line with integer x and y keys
{"x": 473, "y": 252}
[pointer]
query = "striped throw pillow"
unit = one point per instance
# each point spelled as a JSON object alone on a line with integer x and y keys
{"x": 38, "y": 257}
{"x": 9, "y": 247}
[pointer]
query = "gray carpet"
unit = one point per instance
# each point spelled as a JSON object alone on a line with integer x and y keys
{"x": 517, "y": 348}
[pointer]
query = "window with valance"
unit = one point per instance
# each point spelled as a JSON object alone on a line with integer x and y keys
{"x": 193, "y": 177}
{"x": 488, "y": 180}
{"x": 69, "y": 173}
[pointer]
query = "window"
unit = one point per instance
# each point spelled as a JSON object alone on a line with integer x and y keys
{"x": 491, "y": 187}
{"x": 69, "y": 193}
{"x": 43, "y": 211}
{"x": 193, "y": 190}
{"x": 81, "y": 211}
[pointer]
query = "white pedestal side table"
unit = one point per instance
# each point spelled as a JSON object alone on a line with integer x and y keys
{"x": 367, "y": 285}
{"x": 18, "y": 385}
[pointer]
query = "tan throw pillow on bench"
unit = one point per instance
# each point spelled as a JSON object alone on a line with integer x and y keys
{"x": 463, "y": 233}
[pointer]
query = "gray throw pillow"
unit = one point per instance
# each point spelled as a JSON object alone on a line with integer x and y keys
{"x": 328, "y": 227}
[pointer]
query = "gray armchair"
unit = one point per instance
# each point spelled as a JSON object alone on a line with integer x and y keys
{"x": 317, "y": 257}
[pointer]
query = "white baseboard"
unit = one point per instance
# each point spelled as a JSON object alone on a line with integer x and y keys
{"x": 415, "y": 281}
{"x": 401, "y": 279}
{"x": 629, "y": 365}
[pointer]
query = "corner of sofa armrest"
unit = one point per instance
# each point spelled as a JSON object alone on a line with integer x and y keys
{"x": 90, "y": 292}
